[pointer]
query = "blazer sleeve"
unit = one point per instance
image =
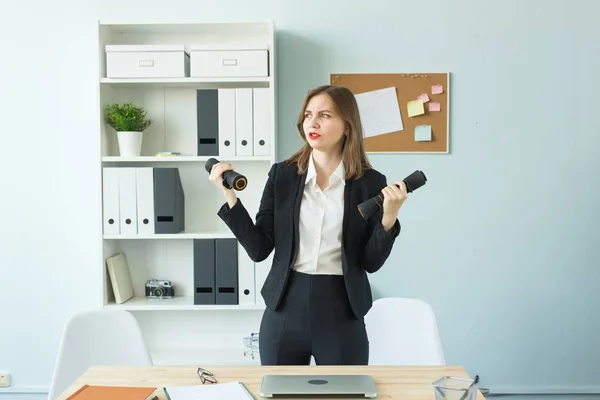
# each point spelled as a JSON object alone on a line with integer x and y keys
{"x": 379, "y": 242}
{"x": 257, "y": 239}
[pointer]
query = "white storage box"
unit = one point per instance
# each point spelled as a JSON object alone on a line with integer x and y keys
{"x": 147, "y": 61}
{"x": 211, "y": 62}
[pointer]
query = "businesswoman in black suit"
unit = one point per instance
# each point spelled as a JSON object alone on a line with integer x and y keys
{"x": 317, "y": 291}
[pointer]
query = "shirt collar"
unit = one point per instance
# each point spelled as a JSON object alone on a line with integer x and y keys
{"x": 311, "y": 173}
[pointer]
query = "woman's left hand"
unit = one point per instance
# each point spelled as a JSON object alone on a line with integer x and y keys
{"x": 394, "y": 196}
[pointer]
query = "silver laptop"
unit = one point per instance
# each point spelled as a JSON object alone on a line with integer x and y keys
{"x": 318, "y": 386}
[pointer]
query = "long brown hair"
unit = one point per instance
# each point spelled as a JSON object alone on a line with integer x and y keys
{"x": 353, "y": 151}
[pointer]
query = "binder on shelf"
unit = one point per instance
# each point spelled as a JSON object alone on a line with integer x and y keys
{"x": 145, "y": 195}
{"x": 169, "y": 201}
{"x": 216, "y": 271}
{"x": 128, "y": 201}
{"x": 207, "y": 112}
{"x": 216, "y": 121}
{"x": 243, "y": 122}
{"x": 261, "y": 121}
{"x": 246, "y": 292}
{"x": 233, "y": 122}
{"x": 226, "y": 267}
{"x": 110, "y": 201}
{"x": 204, "y": 271}
{"x": 142, "y": 200}
{"x": 226, "y": 132}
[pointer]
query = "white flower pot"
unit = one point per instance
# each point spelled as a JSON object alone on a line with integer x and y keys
{"x": 130, "y": 143}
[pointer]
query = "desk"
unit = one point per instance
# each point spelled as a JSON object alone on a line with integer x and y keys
{"x": 393, "y": 382}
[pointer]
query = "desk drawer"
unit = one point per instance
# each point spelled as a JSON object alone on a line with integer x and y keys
{"x": 229, "y": 63}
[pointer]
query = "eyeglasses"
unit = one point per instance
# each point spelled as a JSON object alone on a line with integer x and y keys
{"x": 206, "y": 376}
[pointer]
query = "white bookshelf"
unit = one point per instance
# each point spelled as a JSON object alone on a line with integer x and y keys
{"x": 179, "y": 159}
{"x": 171, "y": 104}
{"x": 188, "y": 82}
{"x": 178, "y": 303}
{"x": 173, "y": 236}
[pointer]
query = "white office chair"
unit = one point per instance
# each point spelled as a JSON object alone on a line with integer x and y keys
{"x": 105, "y": 337}
{"x": 403, "y": 332}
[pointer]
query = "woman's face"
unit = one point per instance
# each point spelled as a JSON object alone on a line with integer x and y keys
{"x": 323, "y": 127}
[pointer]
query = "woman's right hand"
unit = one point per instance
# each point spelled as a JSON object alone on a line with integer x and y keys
{"x": 216, "y": 177}
{"x": 216, "y": 174}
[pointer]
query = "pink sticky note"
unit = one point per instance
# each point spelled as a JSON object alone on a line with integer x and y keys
{"x": 424, "y": 98}
{"x": 434, "y": 106}
{"x": 437, "y": 89}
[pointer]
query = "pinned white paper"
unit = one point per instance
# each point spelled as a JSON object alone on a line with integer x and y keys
{"x": 379, "y": 112}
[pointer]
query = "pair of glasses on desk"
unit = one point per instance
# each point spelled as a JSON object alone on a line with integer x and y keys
{"x": 206, "y": 376}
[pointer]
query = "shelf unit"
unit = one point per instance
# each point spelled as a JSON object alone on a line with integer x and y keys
{"x": 171, "y": 104}
{"x": 204, "y": 83}
{"x": 178, "y": 159}
{"x": 181, "y": 303}
{"x": 175, "y": 236}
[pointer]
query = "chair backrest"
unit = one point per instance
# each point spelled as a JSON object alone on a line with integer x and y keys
{"x": 403, "y": 332}
{"x": 104, "y": 337}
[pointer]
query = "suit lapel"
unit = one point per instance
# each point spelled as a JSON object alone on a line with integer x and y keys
{"x": 347, "y": 207}
{"x": 297, "y": 181}
{"x": 353, "y": 222}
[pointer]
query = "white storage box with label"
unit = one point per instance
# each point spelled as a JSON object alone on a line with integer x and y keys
{"x": 147, "y": 61}
{"x": 218, "y": 62}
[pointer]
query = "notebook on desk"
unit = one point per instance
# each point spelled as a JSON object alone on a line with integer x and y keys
{"x": 217, "y": 391}
{"x": 359, "y": 386}
{"x": 89, "y": 392}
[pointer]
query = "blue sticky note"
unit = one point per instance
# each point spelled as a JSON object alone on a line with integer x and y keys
{"x": 422, "y": 133}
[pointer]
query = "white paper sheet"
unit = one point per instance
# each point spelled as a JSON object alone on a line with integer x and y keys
{"x": 218, "y": 391}
{"x": 379, "y": 112}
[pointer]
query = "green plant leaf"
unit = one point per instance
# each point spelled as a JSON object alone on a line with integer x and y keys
{"x": 127, "y": 117}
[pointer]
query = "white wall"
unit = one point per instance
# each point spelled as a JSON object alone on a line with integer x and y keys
{"x": 514, "y": 286}
{"x": 50, "y": 182}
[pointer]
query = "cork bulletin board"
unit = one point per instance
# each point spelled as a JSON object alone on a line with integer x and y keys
{"x": 402, "y": 113}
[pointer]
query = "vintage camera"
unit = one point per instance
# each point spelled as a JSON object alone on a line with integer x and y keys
{"x": 159, "y": 289}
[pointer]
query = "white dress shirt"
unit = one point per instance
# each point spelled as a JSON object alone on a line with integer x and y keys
{"x": 321, "y": 216}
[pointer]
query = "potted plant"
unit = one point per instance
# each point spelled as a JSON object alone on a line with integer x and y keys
{"x": 130, "y": 121}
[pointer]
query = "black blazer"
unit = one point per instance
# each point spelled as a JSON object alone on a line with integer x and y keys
{"x": 366, "y": 245}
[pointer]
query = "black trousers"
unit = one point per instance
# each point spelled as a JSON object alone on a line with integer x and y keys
{"x": 315, "y": 319}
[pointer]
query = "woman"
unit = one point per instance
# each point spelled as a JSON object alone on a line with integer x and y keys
{"x": 317, "y": 291}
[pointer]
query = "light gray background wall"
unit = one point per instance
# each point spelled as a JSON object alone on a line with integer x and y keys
{"x": 503, "y": 240}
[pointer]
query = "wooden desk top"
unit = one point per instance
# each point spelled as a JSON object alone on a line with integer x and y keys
{"x": 393, "y": 382}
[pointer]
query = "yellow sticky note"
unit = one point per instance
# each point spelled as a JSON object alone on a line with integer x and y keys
{"x": 415, "y": 107}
